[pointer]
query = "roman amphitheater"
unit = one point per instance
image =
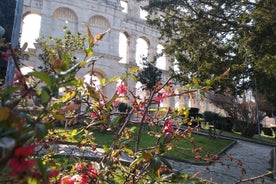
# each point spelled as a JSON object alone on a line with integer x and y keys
{"x": 129, "y": 40}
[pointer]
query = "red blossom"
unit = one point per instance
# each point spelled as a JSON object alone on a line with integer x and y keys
{"x": 53, "y": 173}
{"x": 24, "y": 151}
{"x": 20, "y": 165}
{"x": 67, "y": 180}
{"x": 160, "y": 97}
{"x": 168, "y": 128}
{"x": 121, "y": 89}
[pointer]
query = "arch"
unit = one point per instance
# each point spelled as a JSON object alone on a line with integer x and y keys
{"x": 94, "y": 80}
{"x": 99, "y": 22}
{"x": 64, "y": 16}
{"x": 139, "y": 90}
{"x": 143, "y": 14}
{"x": 123, "y": 46}
{"x": 30, "y": 29}
{"x": 65, "y": 13}
{"x": 124, "y": 5}
{"x": 161, "y": 62}
{"x": 142, "y": 50}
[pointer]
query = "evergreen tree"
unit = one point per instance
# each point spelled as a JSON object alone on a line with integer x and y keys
{"x": 207, "y": 38}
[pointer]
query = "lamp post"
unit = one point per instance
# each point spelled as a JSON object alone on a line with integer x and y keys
{"x": 257, "y": 112}
{"x": 14, "y": 41}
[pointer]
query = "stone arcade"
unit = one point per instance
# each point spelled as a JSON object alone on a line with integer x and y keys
{"x": 130, "y": 38}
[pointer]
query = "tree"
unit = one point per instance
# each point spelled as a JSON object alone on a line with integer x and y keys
{"x": 207, "y": 38}
{"x": 258, "y": 44}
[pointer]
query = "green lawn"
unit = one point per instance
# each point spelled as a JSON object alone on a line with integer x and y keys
{"x": 256, "y": 138}
{"x": 182, "y": 149}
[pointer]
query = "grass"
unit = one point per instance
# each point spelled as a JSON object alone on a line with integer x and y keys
{"x": 255, "y": 138}
{"x": 182, "y": 149}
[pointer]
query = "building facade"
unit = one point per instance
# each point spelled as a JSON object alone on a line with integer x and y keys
{"x": 129, "y": 40}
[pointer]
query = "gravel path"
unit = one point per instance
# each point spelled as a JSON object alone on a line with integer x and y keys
{"x": 253, "y": 158}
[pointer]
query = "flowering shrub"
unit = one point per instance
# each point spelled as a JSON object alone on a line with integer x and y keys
{"x": 29, "y": 111}
{"x": 86, "y": 174}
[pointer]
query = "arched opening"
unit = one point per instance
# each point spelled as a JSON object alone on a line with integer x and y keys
{"x": 99, "y": 24}
{"x": 94, "y": 80}
{"x": 123, "y": 47}
{"x": 161, "y": 58}
{"x": 143, "y": 14}
{"x": 124, "y": 5}
{"x": 142, "y": 50}
{"x": 139, "y": 91}
{"x": 64, "y": 17}
{"x": 30, "y": 29}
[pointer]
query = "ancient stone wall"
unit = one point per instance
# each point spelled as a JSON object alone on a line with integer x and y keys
{"x": 128, "y": 27}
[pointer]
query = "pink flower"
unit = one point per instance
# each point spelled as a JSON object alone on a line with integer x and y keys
{"x": 67, "y": 180}
{"x": 93, "y": 115}
{"x": 121, "y": 89}
{"x": 115, "y": 103}
{"x": 92, "y": 172}
{"x": 168, "y": 128}
{"x": 79, "y": 166}
{"x": 81, "y": 178}
{"x": 160, "y": 97}
{"x": 197, "y": 157}
{"x": 6, "y": 55}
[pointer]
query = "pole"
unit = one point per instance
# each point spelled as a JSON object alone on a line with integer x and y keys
{"x": 257, "y": 112}
{"x": 14, "y": 41}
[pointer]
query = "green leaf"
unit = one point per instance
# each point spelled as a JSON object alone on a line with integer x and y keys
{"x": 4, "y": 113}
{"x": 89, "y": 52}
{"x": 40, "y": 131}
{"x": 5, "y": 95}
{"x": 42, "y": 167}
{"x": 114, "y": 79}
{"x": 155, "y": 163}
{"x": 67, "y": 60}
{"x": 110, "y": 102}
{"x": 77, "y": 135}
{"x": 92, "y": 91}
{"x": 116, "y": 120}
{"x": 42, "y": 76}
{"x": 129, "y": 151}
{"x": 90, "y": 37}
{"x": 60, "y": 117}
{"x": 136, "y": 161}
{"x": 103, "y": 81}
{"x": 26, "y": 136}
{"x": 45, "y": 96}
{"x": 134, "y": 78}
{"x": 134, "y": 69}
{"x": 24, "y": 47}
{"x": 106, "y": 149}
{"x": 74, "y": 132}
{"x": 165, "y": 161}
